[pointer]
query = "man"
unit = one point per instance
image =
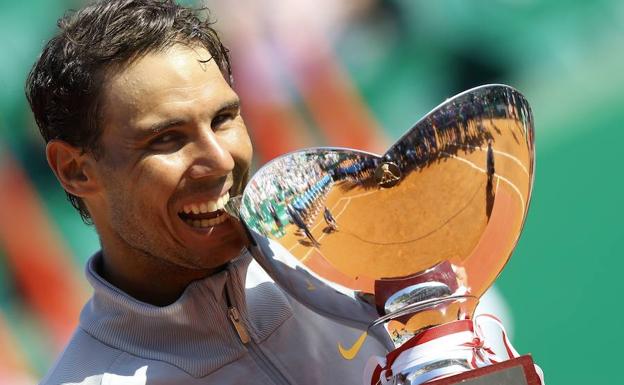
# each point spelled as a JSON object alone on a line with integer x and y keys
{"x": 295, "y": 215}
{"x": 145, "y": 134}
{"x": 491, "y": 169}
{"x": 329, "y": 219}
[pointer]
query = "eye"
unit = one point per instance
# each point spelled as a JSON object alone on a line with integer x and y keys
{"x": 166, "y": 141}
{"x": 222, "y": 118}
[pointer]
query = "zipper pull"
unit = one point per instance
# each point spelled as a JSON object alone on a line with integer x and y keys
{"x": 238, "y": 325}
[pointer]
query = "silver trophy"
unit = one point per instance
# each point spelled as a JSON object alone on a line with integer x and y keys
{"x": 403, "y": 243}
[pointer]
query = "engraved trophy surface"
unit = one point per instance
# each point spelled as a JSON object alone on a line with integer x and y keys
{"x": 406, "y": 241}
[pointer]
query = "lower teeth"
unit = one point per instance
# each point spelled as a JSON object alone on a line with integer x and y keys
{"x": 203, "y": 223}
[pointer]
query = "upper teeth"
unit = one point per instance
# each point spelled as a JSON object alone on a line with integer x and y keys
{"x": 208, "y": 206}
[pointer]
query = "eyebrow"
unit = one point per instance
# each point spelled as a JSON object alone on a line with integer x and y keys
{"x": 158, "y": 127}
{"x": 229, "y": 106}
{"x": 161, "y": 126}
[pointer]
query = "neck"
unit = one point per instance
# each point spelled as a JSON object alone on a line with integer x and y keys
{"x": 148, "y": 278}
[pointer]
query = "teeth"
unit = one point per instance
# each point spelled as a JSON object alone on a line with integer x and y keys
{"x": 207, "y": 207}
{"x": 212, "y": 206}
{"x": 223, "y": 200}
{"x": 205, "y": 223}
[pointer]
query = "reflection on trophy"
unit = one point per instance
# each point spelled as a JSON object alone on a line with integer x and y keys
{"x": 403, "y": 245}
{"x": 387, "y": 175}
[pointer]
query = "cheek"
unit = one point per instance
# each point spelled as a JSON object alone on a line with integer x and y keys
{"x": 157, "y": 176}
{"x": 239, "y": 146}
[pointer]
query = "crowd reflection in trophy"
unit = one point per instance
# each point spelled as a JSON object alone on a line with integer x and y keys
{"x": 456, "y": 125}
{"x": 296, "y": 194}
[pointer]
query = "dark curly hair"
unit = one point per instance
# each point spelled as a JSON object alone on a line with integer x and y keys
{"x": 63, "y": 87}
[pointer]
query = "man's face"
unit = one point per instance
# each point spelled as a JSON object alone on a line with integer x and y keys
{"x": 174, "y": 146}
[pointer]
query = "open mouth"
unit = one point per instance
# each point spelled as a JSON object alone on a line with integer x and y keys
{"x": 206, "y": 214}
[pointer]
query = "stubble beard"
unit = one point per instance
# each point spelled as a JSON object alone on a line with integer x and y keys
{"x": 126, "y": 221}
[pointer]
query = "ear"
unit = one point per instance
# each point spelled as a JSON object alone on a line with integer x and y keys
{"x": 73, "y": 168}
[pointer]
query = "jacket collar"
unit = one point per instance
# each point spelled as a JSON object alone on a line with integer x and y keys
{"x": 193, "y": 333}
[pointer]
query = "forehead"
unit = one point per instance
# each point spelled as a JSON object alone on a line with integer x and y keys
{"x": 170, "y": 79}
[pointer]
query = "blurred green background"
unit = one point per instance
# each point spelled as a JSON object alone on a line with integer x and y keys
{"x": 398, "y": 59}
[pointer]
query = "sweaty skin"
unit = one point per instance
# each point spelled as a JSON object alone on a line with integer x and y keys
{"x": 172, "y": 137}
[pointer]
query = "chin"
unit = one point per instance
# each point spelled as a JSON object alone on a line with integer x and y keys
{"x": 216, "y": 258}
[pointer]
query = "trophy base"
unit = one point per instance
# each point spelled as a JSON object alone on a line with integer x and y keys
{"x": 516, "y": 371}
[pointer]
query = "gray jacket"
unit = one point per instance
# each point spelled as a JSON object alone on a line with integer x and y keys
{"x": 262, "y": 336}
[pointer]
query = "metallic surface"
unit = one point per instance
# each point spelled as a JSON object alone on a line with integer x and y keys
{"x": 411, "y": 238}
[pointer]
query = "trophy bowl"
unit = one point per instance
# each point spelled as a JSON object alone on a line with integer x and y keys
{"x": 400, "y": 243}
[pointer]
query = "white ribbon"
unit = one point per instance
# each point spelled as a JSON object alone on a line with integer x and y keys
{"x": 468, "y": 346}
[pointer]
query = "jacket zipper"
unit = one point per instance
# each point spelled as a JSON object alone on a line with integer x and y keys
{"x": 238, "y": 324}
{"x": 258, "y": 355}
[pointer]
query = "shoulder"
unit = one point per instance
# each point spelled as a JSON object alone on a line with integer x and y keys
{"x": 84, "y": 361}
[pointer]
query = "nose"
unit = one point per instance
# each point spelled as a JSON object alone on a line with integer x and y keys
{"x": 211, "y": 157}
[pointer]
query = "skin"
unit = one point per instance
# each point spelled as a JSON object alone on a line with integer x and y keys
{"x": 172, "y": 135}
